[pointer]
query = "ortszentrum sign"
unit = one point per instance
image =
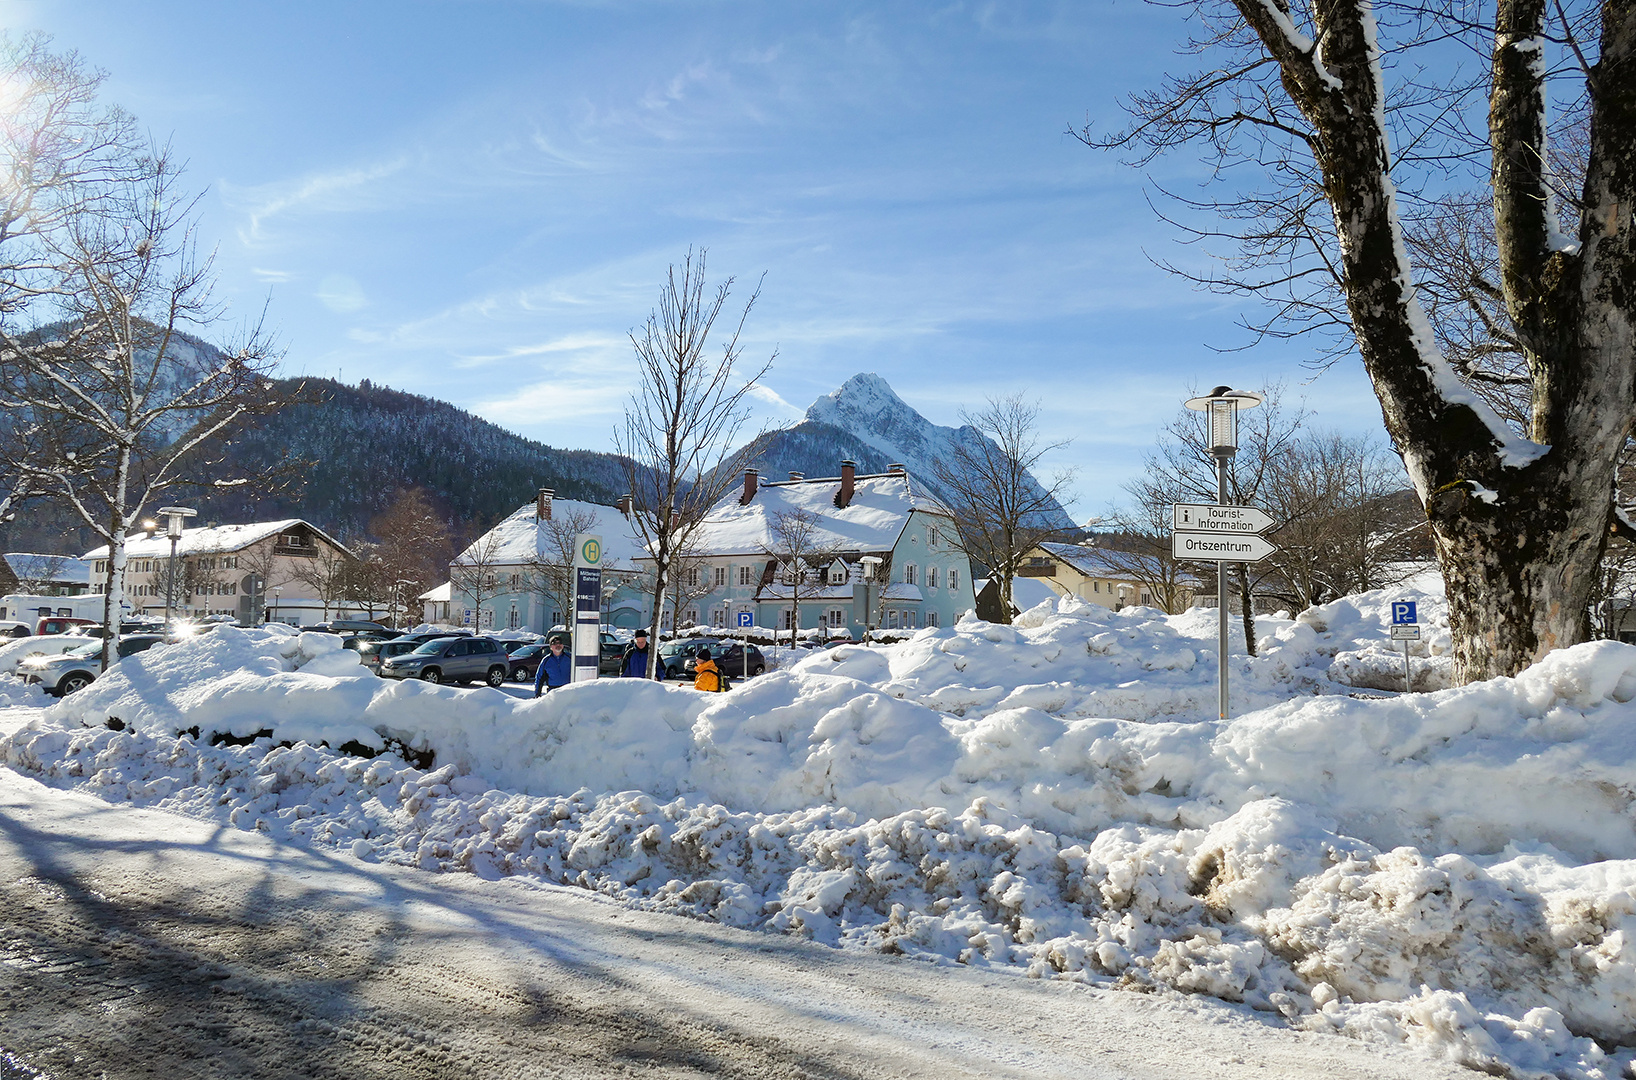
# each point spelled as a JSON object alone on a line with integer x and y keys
{"x": 1220, "y": 547}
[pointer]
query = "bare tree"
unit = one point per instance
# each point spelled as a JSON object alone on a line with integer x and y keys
{"x": 1137, "y": 546}
{"x": 1001, "y": 510}
{"x": 682, "y": 422}
{"x": 328, "y": 573}
{"x": 549, "y": 572}
{"x": 476, "y": 573}
{"x": 414, "y": 544}
{"x": 797, "y": 542}
{"x": 37, "y": 573}
{"x": 1309, "y": 96}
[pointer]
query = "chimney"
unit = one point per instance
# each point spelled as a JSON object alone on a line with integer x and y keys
{"x": 898, "y": 467}
{"x": 844, "y": 496}
{"x": 749, "y": 486}
{"x": 623, "y": 505}
{"x": 542, "y": 505}
{"x": 798, "y": 476}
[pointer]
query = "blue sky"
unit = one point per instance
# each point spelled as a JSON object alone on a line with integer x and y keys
{"x": 476, "y": 201}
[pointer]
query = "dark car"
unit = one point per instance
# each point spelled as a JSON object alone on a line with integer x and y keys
{"x": 371, "y": 653}
{"x": 613, "y": 655}
{"x": 78, "y": 668}
{"x": 729, "y": 657}
{"x": 526, "y": 661}
{"x": 674, "y": 655}
{"x": 421, "y": 639}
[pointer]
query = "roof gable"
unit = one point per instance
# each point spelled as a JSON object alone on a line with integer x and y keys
{"x": 873, "y": 520}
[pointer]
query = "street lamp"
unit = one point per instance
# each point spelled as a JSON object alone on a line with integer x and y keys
{"x": 276, "y": 590}
{"x": 869, "y": 563}
{"x": 1220, "y": 408}
{"x": 174, "y": 517}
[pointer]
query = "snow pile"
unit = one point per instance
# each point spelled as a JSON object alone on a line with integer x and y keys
{"x": 1439, "y": 868}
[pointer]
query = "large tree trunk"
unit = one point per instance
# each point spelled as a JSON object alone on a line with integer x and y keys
{"x": 1519, "y": 525}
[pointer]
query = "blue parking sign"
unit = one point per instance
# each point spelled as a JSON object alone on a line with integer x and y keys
{"x": 747, "y": 618}
{"x": 1403, "y": 613}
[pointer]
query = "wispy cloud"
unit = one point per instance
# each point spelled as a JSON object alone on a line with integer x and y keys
{"x": 324, "y": 191}
{"x": 273, "y": 276}
{"x": 340, "y": 293}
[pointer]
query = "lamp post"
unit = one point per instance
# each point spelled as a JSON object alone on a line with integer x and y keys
{"x": 870, "y": 564}
{"x": 276, "y": 590}
{"x": 1220, "y": 408}
{"x": 174, "y": 517}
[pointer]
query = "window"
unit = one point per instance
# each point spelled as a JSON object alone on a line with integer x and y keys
{"x": 892, "y": 619}
{"x": 837, "y": 574}
{"x": 511, "y": 623}
{"x": 909, "y": 573}
{"x": 931, "y": 577}
{"x": 690, "y": 577}
{"x": 718, "y": 616}
{"x": 744, "y": 576}
{"x": 786, "y": 617}
{"x": 1096, "y": 586}
{"x": 931, "y": 618}
{"x": 909, "y": 620}
{"x": 837, "y": 617}
{"x": 1147, "y": 598}
{"x": 789, "y": 578}
{"x": 516, "y": 579}
{"x": 690, "y": 617}
{"x": 954, "y": 579}
{"x": 721, "y": 576}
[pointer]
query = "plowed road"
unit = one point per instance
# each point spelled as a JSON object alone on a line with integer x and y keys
{"x": 140, "y": 944}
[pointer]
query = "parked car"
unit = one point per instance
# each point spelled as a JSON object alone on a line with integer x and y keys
{"x": 372, "y": 653}
{"x": 526, "y": 661}
{"x": 13, "y": 628}
{"x": 345, "y": 626}
{"x": 450, "y": 659}
{"x": 60, "y": 624}
{"x": 78, "y": 668}
{"x": 729, "y": 657}
{"x": 674, "y": 654}
{"x": 421, "y": 639}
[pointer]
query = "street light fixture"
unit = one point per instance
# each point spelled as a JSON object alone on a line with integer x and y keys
{"x": 276, "y": 590}
{"x": 174, "y": 517}
{"x": 1220, "y": 407}
{"x": 870, "y": 563}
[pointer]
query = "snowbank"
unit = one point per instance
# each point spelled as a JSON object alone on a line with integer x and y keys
{"x": 1455, "y": 869}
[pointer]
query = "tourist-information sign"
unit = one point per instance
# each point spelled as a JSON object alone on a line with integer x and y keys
{"x": 1202, "y": 517}
{"x": 1402, "y": 632}
{"x": 1220, "y": 547}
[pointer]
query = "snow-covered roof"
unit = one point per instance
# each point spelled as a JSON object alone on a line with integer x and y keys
{"x": 901, "y": 592}
{"x": 70, "y": 568}
{"x": 814, "y": 593}
{"x": 521, "y": 537}
{"x": 872, "y": 521}
{"x": 1094, "y": 562}
{"x": 1030, "y": 592}
{"x": 209, "y": 541}
{"x": 443, "y": 594}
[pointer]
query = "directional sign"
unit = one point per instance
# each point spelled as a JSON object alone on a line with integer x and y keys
{"x": 1202, "y": 517}
{"x": 1405, "y": 633}
{"x": 1220, "y": 547}
{"x": 746, "y": 618}
{"x": 1403, "y": 613}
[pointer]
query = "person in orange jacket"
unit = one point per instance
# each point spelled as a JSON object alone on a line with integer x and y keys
{"x": 706, "y": 675}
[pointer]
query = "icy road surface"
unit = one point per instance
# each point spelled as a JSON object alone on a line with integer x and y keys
{"x": 136, "y": 943}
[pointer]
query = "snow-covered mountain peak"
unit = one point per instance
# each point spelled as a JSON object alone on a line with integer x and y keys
{"x": 864, "y": 396}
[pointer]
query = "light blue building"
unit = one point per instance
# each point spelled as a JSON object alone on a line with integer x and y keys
{"x": 882, "y": 553}
{"x": 518, "y": 568}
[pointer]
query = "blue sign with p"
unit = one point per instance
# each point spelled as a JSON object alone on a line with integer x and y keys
{"x": 1403, "y": 613}
{"x": 746, "y": 618}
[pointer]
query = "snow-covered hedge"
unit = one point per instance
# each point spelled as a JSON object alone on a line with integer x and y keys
{"x": 1445, "y": 868}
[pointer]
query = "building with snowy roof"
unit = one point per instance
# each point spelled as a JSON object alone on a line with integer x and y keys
{"x": 275, "y": 571}
{"x": 518, "y": 575}
{"x": 1106, "y": 576}
{"x": 44, "y": 575}
{"x": 744, "y": 566}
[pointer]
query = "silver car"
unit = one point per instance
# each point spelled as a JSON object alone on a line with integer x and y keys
{"x": 79, "y": 667}
{"x": 451, "y": 660}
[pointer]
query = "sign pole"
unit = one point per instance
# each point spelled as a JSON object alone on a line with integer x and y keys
{"x": 1223, "y": 456}
{"x": 1408, "y": 686}
{"x": 587, "y": 625}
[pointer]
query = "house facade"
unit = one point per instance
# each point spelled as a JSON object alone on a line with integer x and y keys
{"x": 515, "y": 575}
{"x": 217, "y": 568}
{"x": 1094, "y": 575}
{"x": 44, "y": 575}
{"x": 879, "y": 552}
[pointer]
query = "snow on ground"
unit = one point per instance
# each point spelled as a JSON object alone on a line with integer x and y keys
{"x": 1455, "y": 870}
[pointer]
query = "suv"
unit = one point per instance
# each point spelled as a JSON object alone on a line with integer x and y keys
{"x": 450, "y": 659}
{"x": 78, "y": 668}
{"x": 729, "y": 657}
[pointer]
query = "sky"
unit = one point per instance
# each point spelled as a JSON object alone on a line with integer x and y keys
{"x": 477, "y": 201}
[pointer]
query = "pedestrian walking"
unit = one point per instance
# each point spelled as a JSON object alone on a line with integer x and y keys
{"x": 556, "y": 668}
{"x": 636, "y": 659}
{"x": 706, "y": 675}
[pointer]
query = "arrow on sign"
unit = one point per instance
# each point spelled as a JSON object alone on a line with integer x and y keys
{"x": 1220, "y": 547}
{"x": 1203, "y": 517}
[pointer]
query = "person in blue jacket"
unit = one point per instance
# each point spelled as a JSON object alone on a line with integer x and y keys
{"x": 636, "y": 660}
{"x": 556, "y": 668}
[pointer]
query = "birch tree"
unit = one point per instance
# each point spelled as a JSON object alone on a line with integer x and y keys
{"x": 1312, "y": 94}
{"x": 95, "y": 355}
{"x": 684, "y": 418}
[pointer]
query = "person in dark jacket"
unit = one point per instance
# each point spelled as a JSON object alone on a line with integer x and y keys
{"x": 556, "y": 668}
{"x": 636, "y": 659}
